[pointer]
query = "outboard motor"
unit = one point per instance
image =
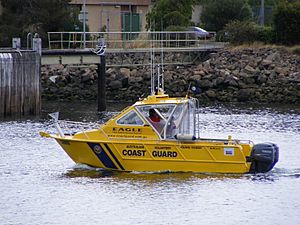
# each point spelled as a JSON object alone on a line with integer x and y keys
{"x": 263, "y": 157}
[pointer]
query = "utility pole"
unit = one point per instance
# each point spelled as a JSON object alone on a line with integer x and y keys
{"x": 262, "y": 13}
{"x": 84, "y": 21}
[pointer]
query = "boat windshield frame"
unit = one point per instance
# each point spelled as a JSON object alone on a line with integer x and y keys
{"x": 181, "y": 118}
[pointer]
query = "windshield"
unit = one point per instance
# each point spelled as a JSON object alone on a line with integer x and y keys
{"x": 157, "y": 115}
{"x": 169, "y": 120}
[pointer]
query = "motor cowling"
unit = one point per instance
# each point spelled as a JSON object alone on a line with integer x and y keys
{"x": 264, "y": 156}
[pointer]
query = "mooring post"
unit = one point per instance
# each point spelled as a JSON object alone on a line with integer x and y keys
{"x": 101, "y": 85}
{"x": 100, "y": 50}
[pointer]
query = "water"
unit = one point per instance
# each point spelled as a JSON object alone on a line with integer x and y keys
{"x": 39, "y": 184}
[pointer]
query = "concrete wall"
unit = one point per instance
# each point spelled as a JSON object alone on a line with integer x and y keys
{"x": 109, "y": 16}
{"x": 108, "y": 13}
{"x": 197, "y": 9}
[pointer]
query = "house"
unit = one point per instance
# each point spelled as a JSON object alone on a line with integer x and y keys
{"x": 115, "y": 15}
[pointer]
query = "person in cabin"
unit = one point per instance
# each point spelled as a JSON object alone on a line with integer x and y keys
{"x": 153, "y": 115}
{"x": 156, "y": 120}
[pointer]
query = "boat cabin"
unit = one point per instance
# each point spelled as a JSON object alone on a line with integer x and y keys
{"x": 158, "y": 117}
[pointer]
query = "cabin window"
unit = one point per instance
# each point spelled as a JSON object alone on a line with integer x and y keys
{"x": 130, "y": 118}
{"x": 158, "y": 116}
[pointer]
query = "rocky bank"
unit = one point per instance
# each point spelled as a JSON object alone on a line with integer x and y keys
{"x": 265, "y": 75}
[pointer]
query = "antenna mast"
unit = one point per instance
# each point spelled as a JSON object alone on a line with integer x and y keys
{"x": 159, "y": 73}
{"x": 162, "y": 57}
{"x": 152, "y": 62}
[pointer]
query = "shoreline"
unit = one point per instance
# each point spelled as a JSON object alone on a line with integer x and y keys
{"x": 235, "y": 74}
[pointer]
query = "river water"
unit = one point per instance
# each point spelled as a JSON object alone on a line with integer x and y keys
{"x": 39, "y": 184}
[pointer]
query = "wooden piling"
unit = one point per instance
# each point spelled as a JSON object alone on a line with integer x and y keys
{"x": 101, "y": 85}
{"x": 19, "y": 83}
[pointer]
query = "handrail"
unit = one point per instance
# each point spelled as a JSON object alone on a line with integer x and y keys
{"x": 129, "y": 40}
{"x": 29, "y": 40}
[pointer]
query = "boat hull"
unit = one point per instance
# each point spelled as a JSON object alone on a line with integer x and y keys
{"x": 158, "y": 156}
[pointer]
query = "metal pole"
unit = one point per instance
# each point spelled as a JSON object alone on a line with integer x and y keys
{"x": 84, "y": 21}
{"x": 101, "y": 85}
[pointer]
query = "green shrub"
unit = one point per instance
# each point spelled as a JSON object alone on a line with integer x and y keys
{"x": 287, "y": 22}
{"x": 243, "y": 32}
{"x": 176, "y": 28}
{"x": 265, "y": 34}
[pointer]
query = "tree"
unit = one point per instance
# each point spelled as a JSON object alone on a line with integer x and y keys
{"x": 217, "y": 13}
{"x": 21, "y": 17}
{"x": 167, "y": 13}
{"x": 287, "y": 22}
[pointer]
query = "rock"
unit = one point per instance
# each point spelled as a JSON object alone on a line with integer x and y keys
{"x": 273, "y": 57}
{"x": 263, "y": 75}
{"x": 111, "y": 70}
{"x": 206, "y": 64}
{"x": 199, "y": 72}
{"x": 250, "y": 69}
{"x": 125, "y": 72}
{"x": 262, "y": 78}
{"x": 266, "y": 62}
{"x": 85, "y": 78}
{"x": 205, "y": 84}
{"x": 211, "y": 94}
{"x": 116, "y": 84}
{"x": 244, "y": 94}
{"x": 195, "y": 77}
{"x": 134, "y": 80}
{"x": 280, "y": 70}
{"x": 231, "y": 81}
{"x": 133, "y": 72}
{"x": 224, "y": 72}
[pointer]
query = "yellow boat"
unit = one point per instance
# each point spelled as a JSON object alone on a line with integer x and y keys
{"x": 160, "y": 133}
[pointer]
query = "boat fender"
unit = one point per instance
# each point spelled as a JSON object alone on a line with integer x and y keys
{"x": 185, "y": 137}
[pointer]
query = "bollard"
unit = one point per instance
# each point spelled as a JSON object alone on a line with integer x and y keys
{"x": 16, "y": 43}
{"x": 37, "y": 45}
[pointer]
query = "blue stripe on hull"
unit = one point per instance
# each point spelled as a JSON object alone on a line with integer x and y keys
{"x": 115, "y": 158}
{"x": 102, "y": 155}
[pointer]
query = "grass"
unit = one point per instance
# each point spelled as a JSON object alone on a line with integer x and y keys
{"x": 259, "y": 45}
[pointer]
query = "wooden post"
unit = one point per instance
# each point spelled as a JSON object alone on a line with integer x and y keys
{"x": 101, "y": 85}
{"x": 19, "y": 84}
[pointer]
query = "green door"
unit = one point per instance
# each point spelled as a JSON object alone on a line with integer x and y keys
{"x": 130, "y": 23}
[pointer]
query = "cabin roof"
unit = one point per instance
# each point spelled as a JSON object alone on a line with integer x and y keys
{"x": 161, "y": 99}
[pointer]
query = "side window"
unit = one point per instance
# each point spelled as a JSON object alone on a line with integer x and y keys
{"x": 131, "y": 118}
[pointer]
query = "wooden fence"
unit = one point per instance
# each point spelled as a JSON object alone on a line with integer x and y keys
{"x": 19, "y": 83}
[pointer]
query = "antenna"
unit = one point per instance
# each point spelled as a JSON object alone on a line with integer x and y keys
{"x": 156, "y": 87}
{"x": 188, "y": 90}
{"x": 162, "y": 56}
{"x": 152, "y": 62}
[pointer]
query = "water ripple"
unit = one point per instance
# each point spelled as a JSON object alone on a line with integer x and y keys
{"x": 41, "y": 185}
